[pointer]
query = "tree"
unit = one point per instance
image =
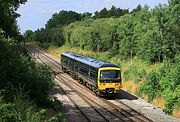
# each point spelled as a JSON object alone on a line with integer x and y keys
{"x": 113, "y": 11}
{"x": 102, "y": 14}
{"x": 86, "y": 15}
{"x": 56, "y": 36}
{"x": 8, "y": 16}
{"x": 28, "y": 35}
{"x": 137, "y": 9}
{"x": 18, "y": 68}
{"x": 127, "y": 43}
{"x": 121, "y": 12}
{"x": 63, "y": 18}
{"x": 171, "y": 26}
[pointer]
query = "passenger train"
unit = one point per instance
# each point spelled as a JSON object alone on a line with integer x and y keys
{"x": 100, "y": 76}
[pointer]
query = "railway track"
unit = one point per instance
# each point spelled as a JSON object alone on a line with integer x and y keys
{"x": 106, "y": 110}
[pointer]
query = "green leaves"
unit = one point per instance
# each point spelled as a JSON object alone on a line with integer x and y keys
{"x": 134, "y": 73}
{"x": 164, "y": 83}
{"x": 151, "y": 86}
{"x": 19, "y": 109}
{"x": 17, "y": 68}
{"x": 171, "y": 86}
{"x": 113, "y": 12}
{"x": 8, "y": 16}
{"x": 63, "y": 18}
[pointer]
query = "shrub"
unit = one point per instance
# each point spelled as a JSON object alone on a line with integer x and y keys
{"x": 170, "y": 85}
{"x": 20, "y": 109}
{"x": 18, "y": 68}
{"x": 151, "y": 86}
{"x": 44, "y": 45}
{"x": 134, "y": 73}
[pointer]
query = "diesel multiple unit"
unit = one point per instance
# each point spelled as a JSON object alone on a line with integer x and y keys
{"x": 100, "y": 76}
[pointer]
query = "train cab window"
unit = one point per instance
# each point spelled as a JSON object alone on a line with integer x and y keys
{"x": 109, "y": 74}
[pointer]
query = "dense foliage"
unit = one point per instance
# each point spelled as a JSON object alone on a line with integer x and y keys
{"x": 8, "y": 17}
{"x": 150, "y": 35}
{"x": 17, "y": 68}
{"x": 21, "y": 80}
{"x": 113, "y": 12}
{"x": 63, "y": 18}
{"x": 23, "y": 110}
{"x": 145, "y": 34}
{"x": 164, "y": 83}
{"x": 53, "y": 31}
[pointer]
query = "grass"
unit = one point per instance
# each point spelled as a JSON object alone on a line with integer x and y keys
{"x": 176, "y": 112}
{"x": 35, "y": 44}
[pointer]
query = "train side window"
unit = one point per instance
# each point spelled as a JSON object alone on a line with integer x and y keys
{"x": 76, "y": 65}
{"x": 83, "y": 71}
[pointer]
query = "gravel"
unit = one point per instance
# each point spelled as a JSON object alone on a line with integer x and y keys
{"x": 153, "y": 112}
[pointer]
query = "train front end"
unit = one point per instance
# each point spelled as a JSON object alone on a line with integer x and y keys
{"x": 109, "y": 80}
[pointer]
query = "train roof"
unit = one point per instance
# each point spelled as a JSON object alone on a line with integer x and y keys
{"x": 88, "y": 60}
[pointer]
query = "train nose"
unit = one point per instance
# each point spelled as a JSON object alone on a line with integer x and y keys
{"x": 110, "y": 90}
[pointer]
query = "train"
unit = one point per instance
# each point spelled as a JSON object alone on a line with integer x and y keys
{"x": 104, "y": 78}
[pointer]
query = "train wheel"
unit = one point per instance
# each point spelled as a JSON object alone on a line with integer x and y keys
{"x": 84, "y": 82}
{"x": 80, "y": 81}
{"x": 73, "y": 76}
{"x": 76, "y": 77}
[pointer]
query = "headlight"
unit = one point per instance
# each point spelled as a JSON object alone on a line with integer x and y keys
{"x": 102, "y": 84}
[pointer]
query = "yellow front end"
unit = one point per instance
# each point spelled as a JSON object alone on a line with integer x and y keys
{"x": 110, "y": 86}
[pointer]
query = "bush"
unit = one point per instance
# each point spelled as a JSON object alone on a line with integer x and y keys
{"x": 44, "y": 45}
{"x": 23, "y": 110}
{"x": 20, "y": 109}
{"x": 134, "y": 73}
{"x": 170, "y": 85}
{"x": 22, "y": 81}
{"x": 164, "y": 83}
{"x": 57, "y": 118}
{"x": 18, "y": 68}
{"x": 151, "y": 86}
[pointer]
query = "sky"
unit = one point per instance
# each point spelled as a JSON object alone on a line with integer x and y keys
{"x": 35, "y": 13}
